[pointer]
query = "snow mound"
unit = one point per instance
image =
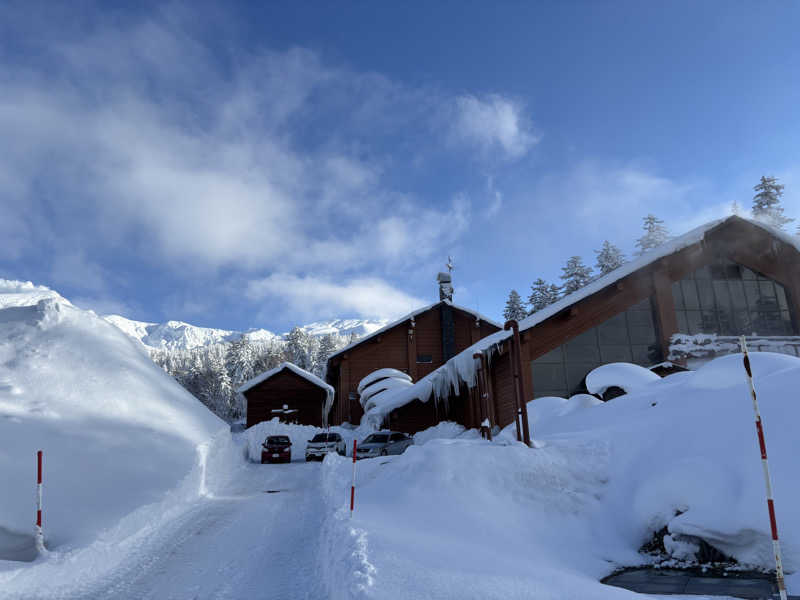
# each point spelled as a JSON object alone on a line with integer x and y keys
{"x": 626, "y": 376}
{"x": 116, "y": 431}
{"x": 381, "y": 374}
{"x": 24, "y": 293}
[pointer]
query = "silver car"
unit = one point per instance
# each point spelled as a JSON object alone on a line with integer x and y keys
{"x": 322, "y": 443}
{"x": 382, "y": 443}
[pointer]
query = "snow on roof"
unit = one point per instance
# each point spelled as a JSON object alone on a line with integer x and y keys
{"x": 411, "y": 315}
{"x": 627, "y": 376}
{"x": 381, "y": 374}
{"x": 390, "y": 384}
{"x": 461, "y": 368}
{"x": 329, "y": 391}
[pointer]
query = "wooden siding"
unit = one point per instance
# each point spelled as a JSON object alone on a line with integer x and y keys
{"x": 395, "y": 348}
{"x": 290, "y": 389}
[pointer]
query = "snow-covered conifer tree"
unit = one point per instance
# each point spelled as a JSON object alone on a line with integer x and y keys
{"x": 542, "y": 294}
{"x": 327, "y": 346}
{"x": 575, "y": 274}
{"x": 655, "y": 234}
{"x": 514, "y": 308}
{"x": 767, "y": 203}
{"x": 241, "y": 360}
{"x": 609, "y": 257}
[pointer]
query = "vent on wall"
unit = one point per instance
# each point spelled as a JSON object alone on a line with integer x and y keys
{"x": 424, "y": 358}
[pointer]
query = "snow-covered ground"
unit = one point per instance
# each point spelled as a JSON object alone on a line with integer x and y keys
{"x": 117, "y": 432}
{"x": 147, "y": 495}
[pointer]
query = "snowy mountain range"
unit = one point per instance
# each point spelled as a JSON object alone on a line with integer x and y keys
{"x": 177, "y": 335}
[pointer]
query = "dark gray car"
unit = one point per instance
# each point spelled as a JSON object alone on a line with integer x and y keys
{"x": 382, "y": 443}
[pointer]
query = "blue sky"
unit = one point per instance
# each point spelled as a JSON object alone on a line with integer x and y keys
{"x": 266, "y": 164}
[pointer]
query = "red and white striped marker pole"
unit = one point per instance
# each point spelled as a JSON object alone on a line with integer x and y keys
{"x": 353, "y": 486}
{"x": 39, "y": 535}
{"x": 776, "y": 546}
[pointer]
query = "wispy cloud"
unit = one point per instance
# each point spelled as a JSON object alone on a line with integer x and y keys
{"x": 493, "y": 124}
{"x": 318, "y": 297}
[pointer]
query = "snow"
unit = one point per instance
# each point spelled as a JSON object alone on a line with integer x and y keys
{"x": 462, "y": 517}
{"x": 380, "y": 387}
{"x": 707, "y": 345}
{"x": 456, "y": 516}
{"x": 626, "y": 376}
{"x": 410, "y": 317}
{"x": 116, "y": 431}
{"x": 381, "y": 374}
{"x": 178, "y": 335}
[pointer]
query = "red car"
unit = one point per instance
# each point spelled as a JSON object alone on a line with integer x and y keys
{"x": 276, "y": 448}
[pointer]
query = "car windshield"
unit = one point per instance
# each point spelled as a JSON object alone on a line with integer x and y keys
{"x": 324, "y": 437}
{"x": 376, "y": 438}
{"x": 278, "y": 439}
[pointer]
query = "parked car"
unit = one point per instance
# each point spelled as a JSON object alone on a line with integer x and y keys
{"x": 323, "y": 443}
{"x": 382, "y": 443}
{"x": 276, "y": 448}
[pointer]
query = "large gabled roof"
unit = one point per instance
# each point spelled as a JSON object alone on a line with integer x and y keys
{"x": 460, "y": 368}
{"x": 284, "y": 365}
{"x": 410, "y": 316}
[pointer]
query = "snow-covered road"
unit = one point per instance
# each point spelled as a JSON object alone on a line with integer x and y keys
{"x": 247, "y": 543}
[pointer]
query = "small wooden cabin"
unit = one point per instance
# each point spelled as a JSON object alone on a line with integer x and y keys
{"x": 290, "y": 393}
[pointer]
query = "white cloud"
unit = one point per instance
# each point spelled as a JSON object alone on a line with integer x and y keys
{"x": 317, "y": 297}
{"x": 493, "y": 123}
{"x": 495, "y": 198}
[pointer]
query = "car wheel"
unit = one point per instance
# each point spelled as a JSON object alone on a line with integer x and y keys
{"x": 384, "y": 452}
{"x": 308, "y": 459}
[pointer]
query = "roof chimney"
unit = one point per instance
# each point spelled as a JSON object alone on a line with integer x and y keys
{"x": 445, "y": 286}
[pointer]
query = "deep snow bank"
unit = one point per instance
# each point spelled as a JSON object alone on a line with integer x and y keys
{"x": 117, "y": 432}
{"x": 458, "y": 518}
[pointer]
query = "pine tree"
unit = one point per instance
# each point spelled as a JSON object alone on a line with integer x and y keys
{"x": 327, "y": 346}
{"x": 767, "y": 203}
{"x": 542, "y": 294}
{"x": 241, "y": 361}
{"x": 609, "y": 257}
{"x": 575, "y": 275}
{"x": 655, "y": 234}
{"x": 514, "y": 308}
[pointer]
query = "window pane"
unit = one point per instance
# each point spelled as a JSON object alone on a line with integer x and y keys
{"x": 784, "y": 305}
{"x": 706, "y": 293}
{"x": 767, "y": 289}
{"x": 751, "y": 293}
{"x": 613, "y": 331}
{"x": 610, "y": 354}
{"x": 677, "y": 295}
{"x": 709, "y": 322}
{"x": 644, "y": 355}
{"x": 643, "y": 334}
{"x": 743, "y": 323}
{"x": 554, "y": 356}
{"x": 587, "y": 338}
{"x": 682, "y": 326}
{"x": 786, "y": 317}
{"x": 540, "y": 392}
{"x": 644, "y": 305}
{"x": 548, "y": 376}
{"x": 690, "y": 294}
{"x": 694, "y": 321}
{"x": 737, "y": 295}
{"x": 640, "y": 317}
{"x": 582, "y": 353}
{"x": 747, "y": 273}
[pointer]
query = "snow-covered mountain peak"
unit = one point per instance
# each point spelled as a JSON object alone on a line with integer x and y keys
{"x": 179, "y": 335}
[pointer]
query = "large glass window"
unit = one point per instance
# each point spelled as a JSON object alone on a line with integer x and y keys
{"x": 627, "y": 337}
{"x": 728, "y": 299}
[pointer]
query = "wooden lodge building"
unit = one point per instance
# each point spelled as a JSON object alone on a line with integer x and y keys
{"x": 729, "y": 277}
{"x": 290, "y": 393}
{"x": 417, "y": 344}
